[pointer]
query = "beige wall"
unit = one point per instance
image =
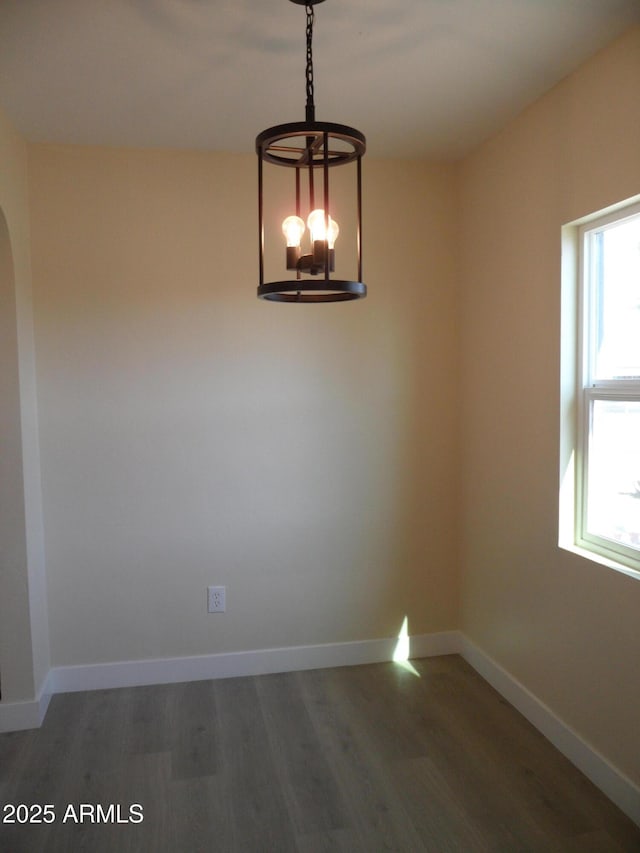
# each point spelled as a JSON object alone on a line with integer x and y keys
{"x": 303, "y": 456}
{"x": 566, "y": 627}
{"x": 24, "y": 644}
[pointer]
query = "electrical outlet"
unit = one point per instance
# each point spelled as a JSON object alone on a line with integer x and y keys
{"x": 217, "y": 599}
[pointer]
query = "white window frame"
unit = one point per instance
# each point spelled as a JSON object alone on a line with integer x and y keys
{"x": 588, "y": 389}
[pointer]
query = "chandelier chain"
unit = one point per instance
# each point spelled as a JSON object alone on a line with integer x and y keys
{"x": 309, "y": 70}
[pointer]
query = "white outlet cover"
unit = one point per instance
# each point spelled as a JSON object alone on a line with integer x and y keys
{"x": 216, "y": 599}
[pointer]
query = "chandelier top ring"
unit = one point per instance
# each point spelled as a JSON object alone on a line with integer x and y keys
{"x": 301, "y": 144}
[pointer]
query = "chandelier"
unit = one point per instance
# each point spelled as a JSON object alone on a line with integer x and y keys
{"x": 312, "y": 150}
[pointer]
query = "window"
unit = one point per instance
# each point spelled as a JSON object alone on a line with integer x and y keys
{"x": 607, "y": 470}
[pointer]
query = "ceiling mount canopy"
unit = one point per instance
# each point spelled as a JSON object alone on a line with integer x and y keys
{"x": 313, "y": 150}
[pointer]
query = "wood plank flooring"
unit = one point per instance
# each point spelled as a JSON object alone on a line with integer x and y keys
{"x": 369, "y": 758}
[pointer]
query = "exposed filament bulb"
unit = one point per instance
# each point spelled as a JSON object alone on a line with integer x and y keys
{"x": 293, "y": 229}
{"x": 318, "y": 228}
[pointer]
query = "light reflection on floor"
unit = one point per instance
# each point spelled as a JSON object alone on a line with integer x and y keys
{"x": 403, "y": 649}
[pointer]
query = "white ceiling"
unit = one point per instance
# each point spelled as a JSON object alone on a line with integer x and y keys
{"x": 418, "y": 77}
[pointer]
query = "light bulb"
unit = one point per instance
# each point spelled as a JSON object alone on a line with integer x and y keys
{"x": 317, "y": 226}
{"x": 334, "y": 230}
{"x": 293, "y": 229}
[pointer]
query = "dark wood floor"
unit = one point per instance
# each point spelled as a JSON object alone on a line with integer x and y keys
{"x": 367, "y": 758}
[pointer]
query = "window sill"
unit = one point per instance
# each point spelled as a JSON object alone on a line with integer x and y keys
{"x": 600, "y": 559}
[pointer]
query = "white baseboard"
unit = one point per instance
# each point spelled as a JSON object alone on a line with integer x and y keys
{"x": 619, "y": 788}
{"x": 67, "y": 679}
{"x": 17, "y": 716}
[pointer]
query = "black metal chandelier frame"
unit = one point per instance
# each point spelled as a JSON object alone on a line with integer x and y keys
{"x": 311, "y": 147}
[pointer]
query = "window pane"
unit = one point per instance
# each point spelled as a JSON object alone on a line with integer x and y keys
{"x": 613, "y": 509}
{"x": 616, "y": 276}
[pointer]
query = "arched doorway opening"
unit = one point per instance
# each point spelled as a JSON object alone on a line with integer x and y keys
{"x": 12, "y": 519}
